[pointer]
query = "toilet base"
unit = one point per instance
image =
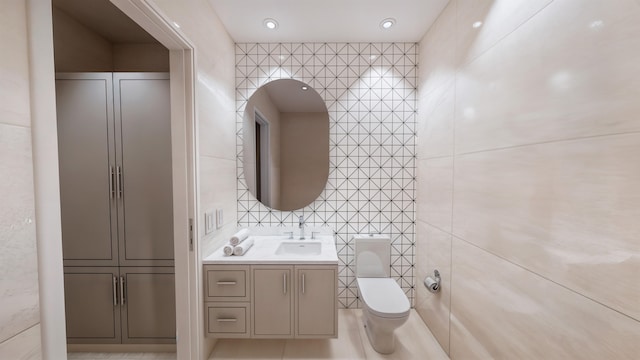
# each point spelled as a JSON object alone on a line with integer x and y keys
{"x": 382, "y": 341}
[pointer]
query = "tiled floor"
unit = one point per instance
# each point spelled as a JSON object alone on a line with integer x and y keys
{"x": 414, "y": 341}
{"x": 121, "y": 356}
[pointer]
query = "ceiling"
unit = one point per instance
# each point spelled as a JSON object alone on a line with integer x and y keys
{"x": 105, "y": 19}
{"x": 327, "y": 20}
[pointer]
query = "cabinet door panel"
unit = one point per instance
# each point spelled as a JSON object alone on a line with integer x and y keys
{"x": 272, "y": 301}
{"x": 144, "y": 152}
{"x": 149, "y": 310}
{"x": 92, "y": 313}
{"x": 86, "y": 152}
{"x": 316, "y": 314}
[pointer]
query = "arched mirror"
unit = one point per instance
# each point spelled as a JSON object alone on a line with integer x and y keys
{"x": 286, "y": 144}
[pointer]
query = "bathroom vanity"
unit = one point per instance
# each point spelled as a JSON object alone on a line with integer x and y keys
{"x": 282, "y": 288}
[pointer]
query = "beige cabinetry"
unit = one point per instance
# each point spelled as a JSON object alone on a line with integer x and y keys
{"x": 316, "y": 301}
{"x": 99, "y": 299}
{"x": 271, "y": 301}
{"x": 114, "y": 138}
{"x": 227, "y": 294}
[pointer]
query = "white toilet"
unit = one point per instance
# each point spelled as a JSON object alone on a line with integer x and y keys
{"x": 385, "y": 306}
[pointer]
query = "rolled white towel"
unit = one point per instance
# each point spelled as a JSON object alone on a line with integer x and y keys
{"x": 239, "y": 237}
{"x": 228, "y": 250}
{"x": 243, "y": 247}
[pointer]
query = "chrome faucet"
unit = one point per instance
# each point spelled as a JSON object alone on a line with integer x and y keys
{"x": 301, "y": 226}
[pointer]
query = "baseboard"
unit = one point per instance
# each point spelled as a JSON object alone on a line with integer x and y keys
{"x": 121, "y": 348}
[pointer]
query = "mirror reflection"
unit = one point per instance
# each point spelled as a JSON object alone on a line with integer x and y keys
{"x": 286, "y": 144}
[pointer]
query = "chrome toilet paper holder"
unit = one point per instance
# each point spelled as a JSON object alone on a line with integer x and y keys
{"x": 433, "y": 285}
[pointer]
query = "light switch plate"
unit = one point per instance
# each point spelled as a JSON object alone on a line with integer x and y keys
{"x": 219, "y": 219}
{"x": 209, "y": 222}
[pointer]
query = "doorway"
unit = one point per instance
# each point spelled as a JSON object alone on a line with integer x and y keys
{"x": 183, "y": 171}
{"x": 263, "y": 156}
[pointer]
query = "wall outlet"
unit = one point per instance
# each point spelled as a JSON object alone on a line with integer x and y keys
{"x": 219, "y": 219}
{"x": 209, "y": 222}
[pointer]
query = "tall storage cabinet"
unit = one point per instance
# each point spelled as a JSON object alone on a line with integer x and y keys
{"x": 114, "y": 139}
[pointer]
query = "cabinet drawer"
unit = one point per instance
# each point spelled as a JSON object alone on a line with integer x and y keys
{"x": 228, "y": 319}
{"x": 226, "y": 283}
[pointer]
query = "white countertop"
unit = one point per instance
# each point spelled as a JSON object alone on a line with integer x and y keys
{"x": 264, "y": 252}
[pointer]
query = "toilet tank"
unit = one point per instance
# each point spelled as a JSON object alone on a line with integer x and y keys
{"x": 373, "y": 256}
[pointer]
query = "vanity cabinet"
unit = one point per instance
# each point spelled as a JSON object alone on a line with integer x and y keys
{"x": 316, "y": 314}
{"x": 112, "y": 305}
{"x": 271, "y": 301}
{"x": 227, "y": 296}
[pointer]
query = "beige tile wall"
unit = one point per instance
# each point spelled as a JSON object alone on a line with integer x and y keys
{"x": 215, "y": 114}
{"x": 19, "y": 301}
{"x": 528, "y": 173}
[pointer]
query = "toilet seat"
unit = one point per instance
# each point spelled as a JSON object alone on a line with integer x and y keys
{"x": 384, "y": 297}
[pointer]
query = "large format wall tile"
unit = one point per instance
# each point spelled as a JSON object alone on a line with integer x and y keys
{"x": 528, "y": 89}
{"x": 434, "y": 252}
{"x": 434, "y": 189}
{"x": 501, "y": 311}
{"x": 438, "y": 52}
{"x": 370, "y": 93}
{"x": 14, "y": 64}
{"x": 566, "y": 210}
{"x": 435, "y": 125}
{"x": 24, "y": 346}
{"x": 217, "y": 191}
{"x": 217, "y": 131}
{"x": 482, "y": 23}
{"x": 18, "y": 255}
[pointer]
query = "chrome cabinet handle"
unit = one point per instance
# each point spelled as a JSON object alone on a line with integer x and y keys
{"x": 112, "y": 189}
{"x": 119, "y": 181}
{"x": 115, "y": 291}
{"x": 122, "y": 295}
{"x": 284, "y": 283}
{"x": 303, "y": 283}
{"x": 226, "y": 283}
{"x": 227, "y": 320}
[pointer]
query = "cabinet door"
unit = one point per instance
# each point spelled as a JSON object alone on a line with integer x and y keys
{"x": 272, "y": 301}
{"x": 86, "y": 161}
{"x": 92, "y": 305}
{"x": 143, "y": 148}
{"x": 316, "y": 301}
{"x": 149, "y": 306}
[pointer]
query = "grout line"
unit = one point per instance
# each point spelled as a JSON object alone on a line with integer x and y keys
{"x": 434, "y": 157}
{"x": 453, "y": 178}
{"x": 464, "y": 64}
{"x": 220, "y": 158}
{"x": 577, "y": 138}
{"x": 547, "y": 278}
{"x": 20, "y": 333}
{"x": 15, "y": 125}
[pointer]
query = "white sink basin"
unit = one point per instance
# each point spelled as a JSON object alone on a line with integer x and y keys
{"x": 300, "y": 248}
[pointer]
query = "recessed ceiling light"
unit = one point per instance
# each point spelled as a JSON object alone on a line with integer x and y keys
{"x": 270, "y": 24}
{"x": 387, "y": 23}
{"x": 477, "y": 24}
{"x": 305, "y": 87}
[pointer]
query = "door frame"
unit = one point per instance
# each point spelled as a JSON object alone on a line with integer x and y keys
{"x": 46, "y": 177}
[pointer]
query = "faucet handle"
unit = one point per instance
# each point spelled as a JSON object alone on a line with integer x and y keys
{"x": 290, "y": 234}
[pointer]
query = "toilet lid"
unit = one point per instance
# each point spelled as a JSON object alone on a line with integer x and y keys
{"x": 384, "y": 297}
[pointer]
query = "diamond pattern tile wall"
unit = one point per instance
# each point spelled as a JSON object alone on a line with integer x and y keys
{"x": 370, "y": 92}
